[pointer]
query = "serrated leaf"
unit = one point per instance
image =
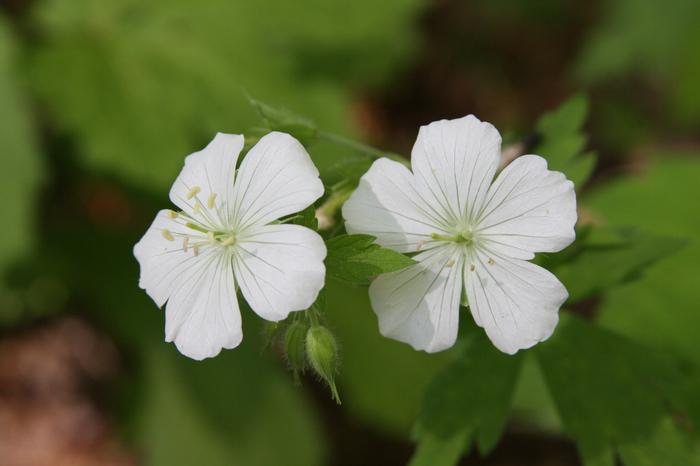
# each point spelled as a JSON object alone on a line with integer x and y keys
{"x": 608, "y": 390}
{"x": 356, "y": 259}
{"x": 468, "y": 401}
{"x": 562, "y": 139}
{"x": 607, "y": 258}
{"x": 21, "y": 167}
{"x": 662, "y": 307}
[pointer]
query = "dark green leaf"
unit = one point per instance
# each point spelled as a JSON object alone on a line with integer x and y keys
{"x": 356, "y": 259}
{"x": 606, "y": 258}
{"x": 468, "y": 401}
{"x": 609, "y": 390}
{"x": 562, "y": 139}
{"x": 307, "y": 218}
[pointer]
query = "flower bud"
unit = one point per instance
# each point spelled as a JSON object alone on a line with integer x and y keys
{"x": 322, "y": 351}
{"x": 294, "y": 342}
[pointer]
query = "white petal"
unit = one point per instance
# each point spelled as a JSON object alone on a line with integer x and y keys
{"x": 516, "y": 302}
{"x": 202, "y": 316}
{"x": 454, "y": 162}
{"x": 280, "y": 269}
{"x": 419, "y": 305}
{"x": 276, "y": 178}
{"x": 163, "y": 261}
{"x": 387, "y": 206}
{"x": 208, "y": 177}
{"x": 529, "y": 209}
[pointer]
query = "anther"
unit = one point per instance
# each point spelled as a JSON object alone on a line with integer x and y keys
{"x": 186, "y": 243}
{"x": 210, "y": 235}
{"x": 167, "y": 235}
{"x": 450, "y": 263}
{"x": 171, "y": 214}
{"x": 195, "y": 249}
{"x": 471, "y": 267}
{"x": 420, "y": 245}
{"x": 210, "y": 201}
{"x": 197, "y": 208}
{"x": 491, "y": 261}
{"x": 193, "y": 192}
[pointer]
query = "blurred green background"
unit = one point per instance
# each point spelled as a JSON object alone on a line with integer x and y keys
{"x": 100, "y": 100}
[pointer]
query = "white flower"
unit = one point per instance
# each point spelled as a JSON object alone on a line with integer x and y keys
{"x": 226, "y": 238}
{"x": 473, "y": 238}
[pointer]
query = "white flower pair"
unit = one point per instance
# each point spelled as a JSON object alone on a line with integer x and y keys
{"x": 472, "y": 239}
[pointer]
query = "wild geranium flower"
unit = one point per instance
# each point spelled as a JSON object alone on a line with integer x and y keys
{"x": 473, "y": 238}
{"x": 226, "y": 237}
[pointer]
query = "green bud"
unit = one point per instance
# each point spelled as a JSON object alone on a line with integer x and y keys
{"x": 322, "y": 351}
{"x": 294, "y": 342}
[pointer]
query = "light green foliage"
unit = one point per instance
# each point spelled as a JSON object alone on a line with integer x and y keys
{"x": 609, "y": 390}
{"x": 145, "y": 83}
{"x": 220, "y": 412}
{"x": 604, "y": 258}
{"x": 356, "y": 259}
{"x": 467, "y": 402}
{"x": 21, "y": 171}
{"x": 661, "y": 308}
{"x": 307, "y": 218}
{"x": 562, "y": 140}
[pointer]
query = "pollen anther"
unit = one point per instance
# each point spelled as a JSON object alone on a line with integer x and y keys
{"x": 172, "y": 214}
{"x": 186, "y": 243}
{"x": 167, "y": 235}
{"x": 211, "y": 200}
{"x": 193, "y": 192}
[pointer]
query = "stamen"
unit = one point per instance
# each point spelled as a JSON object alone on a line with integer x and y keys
{"x": 491, "y": 261}
{"x": 420, "y": 245}
{"x": 186, "y": 243}
{"x": 195, "y": 249}
{"x": 197, "y": 208}
{"x": 210, "y": 201}
{"x": 210, "y": 235}
{"x": 450, "y": 263}
{"x": 167, "y": 235}
{"x": 171, "y": 214}
{"x": 229, "y": 241}
{"x": 193, "y": 192}
{"x": 195, "y": 227}
{"x": 471, "y": 267}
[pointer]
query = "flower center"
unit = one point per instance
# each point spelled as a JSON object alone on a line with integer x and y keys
{"x": 464, "y": 236}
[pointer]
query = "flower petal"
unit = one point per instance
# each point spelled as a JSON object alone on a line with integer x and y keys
{"x": 419, "y": 305}
{"x": 454, "y": 162}
{"x": 207, "y": 178}
{"x": 516, "y": 302}
{"x": 280, "y": 269}
{"x": 529, "y": 209}
{"x": 387, "y": 205}
{"x": 202, "y": 315}
{"x": 276, "y": 178}
{"x": 162, "y": 257}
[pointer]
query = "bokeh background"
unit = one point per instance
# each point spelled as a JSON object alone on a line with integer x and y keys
{"x": 100, "y": 100}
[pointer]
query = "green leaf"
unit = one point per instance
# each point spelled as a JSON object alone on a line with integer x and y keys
{"x": 193, "y": 413}
{"x": 662, "y": 307}
{"x": 21, "y": 170}
{"x": 468, "y": 401}
{"x": 307, "y": 218}
{"x": 356, "y": 259}
{"x": 604, "y": 258}
{"x": 562, "y": 140}
{"x": 608, "y": 390}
